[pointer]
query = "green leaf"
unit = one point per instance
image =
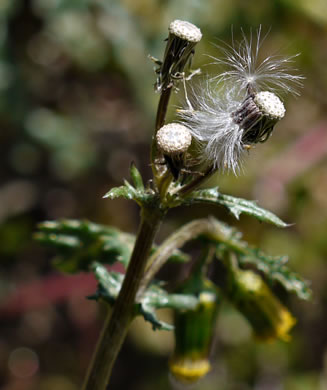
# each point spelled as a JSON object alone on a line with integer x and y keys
{"x": 136, "y": 177}
{"x": 61, "y": 242}
{"x": 154, "y": 297}
{"x": 139, "y": 194}
{"x": 149, "y": 314}
{"x": 236, "y": 206}
{"x": 126, "y": 192}
{"x": 275, "y": 270}
{"x": 81, "y": 228}
{"x": 159, "y": 298}
{"x": 79, "y": 243}
{"x": 135, "y": 192}
{"x": 110, "y": 282}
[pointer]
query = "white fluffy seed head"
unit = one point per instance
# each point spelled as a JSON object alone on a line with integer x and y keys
{"x": 270, "y": 104}
{"x": 244, "y": 67}
{"x": 185, "y": 30}
{"x": 210, "y": 122}
{"x": 173, "y": 139}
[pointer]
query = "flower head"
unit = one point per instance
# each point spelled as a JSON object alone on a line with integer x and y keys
{"x": 173, "y": 139}
{"x": 229, "y": 113}
{"x": 248, "y": 71}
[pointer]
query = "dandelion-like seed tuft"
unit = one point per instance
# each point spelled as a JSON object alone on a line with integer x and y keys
{"x": 244, "y": 67}
{"x": 211, "y": 123}
{"x": 173, "y": 139}
{"x": 185, "y": 30}
{"x": 230, "y": 112}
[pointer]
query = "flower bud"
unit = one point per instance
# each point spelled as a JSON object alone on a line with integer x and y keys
{"x": 194, "y": 331}
{"x": 268, "y": 317}
{"x": 173, "y": 139}
{"x": 183, "y": 36}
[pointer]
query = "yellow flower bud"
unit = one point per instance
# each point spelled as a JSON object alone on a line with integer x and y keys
{"x": 269, "y": 318}
{"x": 194, "y": 331}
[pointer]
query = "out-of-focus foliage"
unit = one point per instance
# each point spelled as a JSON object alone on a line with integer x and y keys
{"x": 154, "y": 297}
{"x": 79, "y": 243}
{"x": 83, "y": 244}
{"x": 76, "y": 107}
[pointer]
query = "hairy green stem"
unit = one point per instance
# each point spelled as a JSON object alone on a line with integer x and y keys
{"x": 207, "y": 227}
{"x": 118, "y": 320}
{"x": 176, "y": 240}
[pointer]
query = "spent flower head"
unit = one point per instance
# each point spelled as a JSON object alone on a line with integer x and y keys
{"x": 211, "y": 123}
{"x": 230, "y": 112}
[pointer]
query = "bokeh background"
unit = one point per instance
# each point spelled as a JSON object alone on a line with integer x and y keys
{"x": 77, "y": 105}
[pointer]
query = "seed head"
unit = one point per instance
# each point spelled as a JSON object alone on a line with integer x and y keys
{"x": 211, "y": 123}
{"x": 185, "y": 30}
{"x": 257, "y": 116}
{"x": 173, "y": 139}
{"x": 244, "y": 68}
{"x": 228, "y": 113}
{"x": 225, "y": 124}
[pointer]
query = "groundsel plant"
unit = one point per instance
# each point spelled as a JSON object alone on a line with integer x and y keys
{"x": 223, "y": 116}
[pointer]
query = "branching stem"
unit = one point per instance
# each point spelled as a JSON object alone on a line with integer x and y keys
{"x": 197, "y": 181}
{"x": 208, "y": 227}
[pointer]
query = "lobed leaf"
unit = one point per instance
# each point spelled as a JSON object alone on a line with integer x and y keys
{"x": 274, "y": 269}
{"x": 154, "y": 297}
{"x": 126, "y": 191}
{"x": 79, "y": 243}
{"x": 236, "y": 206}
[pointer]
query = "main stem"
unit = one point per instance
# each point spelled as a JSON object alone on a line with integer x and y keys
{"x": 117, "y": 322}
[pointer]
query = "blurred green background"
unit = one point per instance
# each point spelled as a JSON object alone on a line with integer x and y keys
{"x": 77, "y": 105}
